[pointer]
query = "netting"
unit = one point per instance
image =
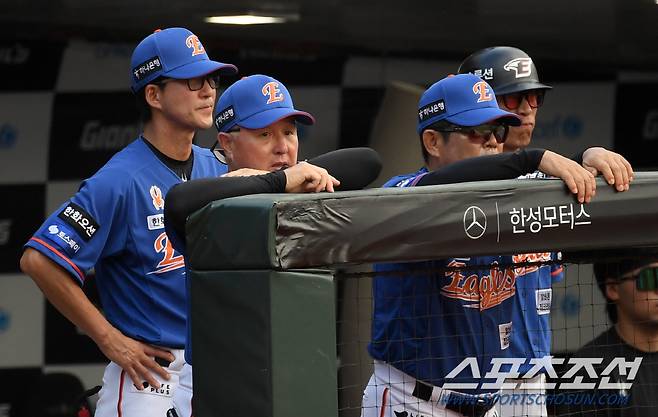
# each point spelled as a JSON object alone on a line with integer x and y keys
{"x": 435, "y": 319}
{"x": 428, "y": 318}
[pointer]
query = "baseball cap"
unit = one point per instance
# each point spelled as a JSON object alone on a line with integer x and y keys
{"x": 464, "y": 100}
{"x": 507, "y": 69}
{"x": 174, "y": 53}
{"x": 256, "y": 102}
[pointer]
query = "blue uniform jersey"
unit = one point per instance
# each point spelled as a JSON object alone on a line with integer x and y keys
{"x": 531, "y": 334}
{"x": 428, "y": 319}
{"x": 115, "y": 224}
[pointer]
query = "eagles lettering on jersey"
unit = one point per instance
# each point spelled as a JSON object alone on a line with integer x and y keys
{"x": 482, "y": 292}
{"x": 115, "y": 225}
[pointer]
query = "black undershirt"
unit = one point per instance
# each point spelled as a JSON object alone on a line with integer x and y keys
{"x": 183, "y": 169}
{"x": 643, "y": 399}
{"x": 186, "y": 198}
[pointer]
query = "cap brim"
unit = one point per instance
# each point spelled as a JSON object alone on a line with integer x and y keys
{"x": 266, "y": 118}
{"x": 200, "y": 68}
{"x": 518, "y": 87}
{"x": 480, "y": 116}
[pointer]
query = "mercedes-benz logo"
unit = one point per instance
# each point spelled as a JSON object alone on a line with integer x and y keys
{"x": 475, "y": 222}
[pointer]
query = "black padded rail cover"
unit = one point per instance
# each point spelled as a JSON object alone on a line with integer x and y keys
{"x": 479, "y": 218}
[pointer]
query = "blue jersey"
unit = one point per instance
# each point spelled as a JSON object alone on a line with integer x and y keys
{"x": 115, "y": 224}
{"x": 531, "y": 334}
{"x": 427, "y": 319}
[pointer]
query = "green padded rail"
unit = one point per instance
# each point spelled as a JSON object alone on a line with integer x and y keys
{"x": 299, "y": 231}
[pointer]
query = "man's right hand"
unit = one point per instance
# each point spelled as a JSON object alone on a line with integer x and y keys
{"x": 136, "y": 358}
{"x": 308, "y": 178}
{"x": 579, "y": 180}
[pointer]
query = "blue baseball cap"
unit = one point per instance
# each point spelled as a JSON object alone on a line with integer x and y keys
{"x": 173, "y": 53}
{"x": 464, "y": 100}
{"x": 256, "y": 102}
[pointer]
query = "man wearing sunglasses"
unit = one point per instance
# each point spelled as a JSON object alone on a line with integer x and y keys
{"x": 514, "y": 78}
{"x": 114, "y": 224}
{"x": 425, "y": 323}
{"x": 630, "y": 288}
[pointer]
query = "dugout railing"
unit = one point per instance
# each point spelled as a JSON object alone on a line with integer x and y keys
{"x": 263, "y": 291}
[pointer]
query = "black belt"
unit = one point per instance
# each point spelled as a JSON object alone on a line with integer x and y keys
{"x": 162, "y": 362}
{"x": 465, "y": 404}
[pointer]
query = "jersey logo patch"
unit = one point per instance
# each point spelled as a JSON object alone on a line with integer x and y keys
{"x": 504, "y": 332}
{"x": 543, "y": 299}
{"x": 155, "y": 221}
{"x": 170, "y": 261}
{"x": 81, "y": 221}
{"x": 484, "y": 292}
{"x": 156, "y": 195}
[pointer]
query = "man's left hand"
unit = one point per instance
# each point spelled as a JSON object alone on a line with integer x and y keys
{"x": 616, "y": 170}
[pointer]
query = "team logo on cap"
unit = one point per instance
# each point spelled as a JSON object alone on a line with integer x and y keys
{"x": 156, "y": 195}
{"x": 271, "y": 90}
{"x": 482, "y": 89}
{"x": 522, "y": 67}
{"x": 193, "y": 42}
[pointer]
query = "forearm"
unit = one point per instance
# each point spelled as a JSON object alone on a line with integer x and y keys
{"x": 493, "y": 167}
{"x": 65, "y": 294}
{"x": 188, "y": 197}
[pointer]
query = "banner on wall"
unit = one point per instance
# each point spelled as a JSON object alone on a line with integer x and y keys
{"x": 29, "y": 65}
{"x": 636, "y": 123}
{"x": 21, "y": 322}
{"x": 90, "y": 66}
{"x": 20, "y": 215}
{"x": 87, "y": 129}
{"x": 24, "y": 125}
{"x": 576, "y": 116}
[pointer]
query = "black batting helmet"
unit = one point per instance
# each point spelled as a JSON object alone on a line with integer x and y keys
{"x": 506, "y": 69}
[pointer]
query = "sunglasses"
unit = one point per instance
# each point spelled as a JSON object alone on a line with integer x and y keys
{"x": 218, "y": 152}
{"x": 535, "y": 99}
{"x": 195, "y": 84}
{"x": 481, "y": 131}
{"x": 646, "y": 279}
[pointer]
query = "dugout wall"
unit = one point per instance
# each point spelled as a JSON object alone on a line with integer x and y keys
{"x": 263, "y": 323}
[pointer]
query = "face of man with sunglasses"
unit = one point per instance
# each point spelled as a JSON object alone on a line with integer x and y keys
{"x": 447, "y": 143}
{"x": 525, "y": 105}
{"x": 635, "y": 294}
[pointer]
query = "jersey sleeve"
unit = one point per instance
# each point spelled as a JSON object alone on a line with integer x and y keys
{"x": 557, "y": 270}
{"x": 84, "y": 228}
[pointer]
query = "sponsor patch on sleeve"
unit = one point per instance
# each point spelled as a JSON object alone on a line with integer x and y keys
{"x": 543, "y": 300}
{"x": 64, "y": 238}
{"x": 81, "y": 221}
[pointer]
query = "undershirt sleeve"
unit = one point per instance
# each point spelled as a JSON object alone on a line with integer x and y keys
{"x": 492, "y": 167}
{"x": 185, "y": 198}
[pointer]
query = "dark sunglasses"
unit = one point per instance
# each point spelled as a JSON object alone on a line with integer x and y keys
{"x": 535, "y": 99}
{"x": 196, "y": 84}
{"x": 483, "y": 131}
{"x": 646, "y": 279}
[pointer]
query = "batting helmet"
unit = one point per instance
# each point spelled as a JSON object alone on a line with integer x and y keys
{"x": 506, "y": 69}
